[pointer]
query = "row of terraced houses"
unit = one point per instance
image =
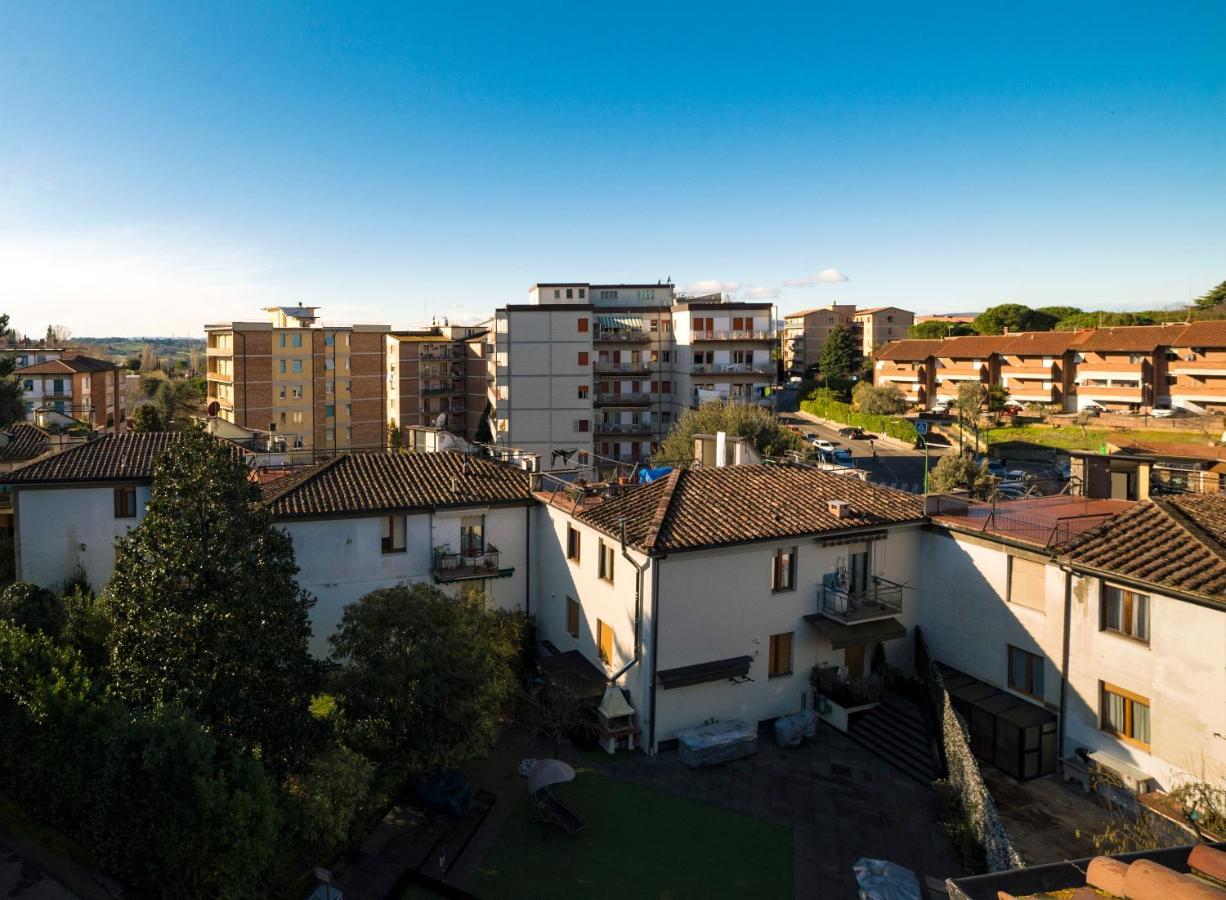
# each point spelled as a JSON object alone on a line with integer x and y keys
{"x": 1139, "y": 367}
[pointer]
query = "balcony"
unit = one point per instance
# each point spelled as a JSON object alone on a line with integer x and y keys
{"x": 629, "y": 335}
{"x": 1100, "y": 373}
{"x": 1029, "y": 373}
{"x": 961, "y": 374}
{"x": 1211, "y": 393}
{"x": 1111, "y": 392}
{"x": 882, "y": 600}
{"x": 740, "y": 335}
{"x": 440, "y": 387}
{"x": 1201, "y": 368}
{"x": 912, "y": 377}
{"x": 441, "y": 353}
{"x": 610, "y": 399}
{"x": 732, "y": 369}
{"x": 628, "y": 368}
{"x": 218, "y": 351}
{"x": 462, "y": 566}
{"x": 625, "y": 427}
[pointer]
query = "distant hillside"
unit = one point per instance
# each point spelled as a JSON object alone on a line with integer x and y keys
{"x": 120, "y": 349}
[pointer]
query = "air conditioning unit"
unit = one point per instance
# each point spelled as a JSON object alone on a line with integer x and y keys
{"x": 1131, "y": 778}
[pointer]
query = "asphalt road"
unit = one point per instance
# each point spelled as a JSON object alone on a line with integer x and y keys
{"x": 891, "y": 466}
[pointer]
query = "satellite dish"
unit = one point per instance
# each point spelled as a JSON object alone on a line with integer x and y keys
{"x": 214, "y": 408}
{"x": 441, "y": 420}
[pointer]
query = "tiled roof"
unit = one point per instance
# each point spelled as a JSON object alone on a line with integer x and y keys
{"x": 69, "y": 365}
{"x": 377, "y": 482}
{"x": 910, "y": 350}
{"x": 974, "y": 346}
{"x": 1175, "y": 543}
{"x": 25, "y": 442}
{"x": 1203, "y": 334}
{"x": 1141, "y": 338}
{"x": 1175, "y": 450}
{"x": 112, "y": 457}
{"x": 698, "y": 508}
{"x": 1042, "y": 343}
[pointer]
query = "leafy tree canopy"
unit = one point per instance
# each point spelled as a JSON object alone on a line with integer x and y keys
{"x": 752, "y": 422}
{"x": 12, "y": 402}
{"x": 934, "y": 329}
{"x": 1215, "y": 296}
{"x": 878, "y": 401}
{"x": 960, "y": 472}
{"x": 1013, "y": 316}
{"x": 837, "y": 358}
{"x": 33, "y": 608}
{"x": 1104, "y": 320}
{"x": 1058, "y": 312}
{"x": 424, "y": 678}
{"x": 205, "y": 605}
{"x": 146, "y": 418}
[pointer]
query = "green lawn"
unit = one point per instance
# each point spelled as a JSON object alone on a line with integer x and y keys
{"x": 636, "y": 843}
{"x": 1069, "y": 437}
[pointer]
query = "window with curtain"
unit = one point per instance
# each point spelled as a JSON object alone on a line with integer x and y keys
{"x": 783, "y": 570}
{"x": 1025, "y": 672}
{"x": 1126, "y": 715}
{"x": 780, "y": 655}
{"x": 472, "y": 535}
{"x": 1125, "y": 612}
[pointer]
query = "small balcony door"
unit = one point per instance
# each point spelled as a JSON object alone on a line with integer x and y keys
{"x": 858, "y": 572}
{"x": 472, "y": 535}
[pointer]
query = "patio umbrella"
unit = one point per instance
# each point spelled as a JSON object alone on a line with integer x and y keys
{"x": 547, "y": 772}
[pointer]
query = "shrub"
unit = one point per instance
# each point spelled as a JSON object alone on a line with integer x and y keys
{"x": 329, "y": 801}
{"x": 822, "y": 406}
{"x": 33, "y": 608}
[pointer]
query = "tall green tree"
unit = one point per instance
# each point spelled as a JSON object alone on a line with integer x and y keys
{"x": 1215, "y": 296}
{"x": 146, "y": 418}
{"x": 933, "y": 330}
{"x": 424, "y": 678}
{"x": 12, "y": 402}
{"x": 879, "y": 401}
{"x": 1058, "y": 312}
{"x": 1104, "y": 320}
{"x": 837, "y": 358}
{"x": 960, "y": 472}
{"x": 754, "y": 423}
{"x": 1013, "y": 316}
{"x": 205, "y": 607}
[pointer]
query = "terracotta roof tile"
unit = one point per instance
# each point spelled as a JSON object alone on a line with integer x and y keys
{"x": 910, "y": 350}
{"x": 112, "y": 457}
{"x": 698, "y": 508}
{"x": 1141, "y": 338}
{"x": 1203, "y": 334}
{"x": 69, "y": 365}
{"x": 1175, "y": 543}
{"x": 24, "y": 442}
{"x": 1043, "y": 343}
{"x": 974, "y": 346}
{"x": 376, "y": 482}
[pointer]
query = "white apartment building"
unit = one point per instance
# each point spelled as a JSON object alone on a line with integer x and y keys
{"x": 606, "y": 369}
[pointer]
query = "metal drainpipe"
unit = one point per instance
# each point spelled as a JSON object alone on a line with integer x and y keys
{"x": 655, "y": 654}
{"x": 1064, "y": 657}
{"x": 638, "y": 606}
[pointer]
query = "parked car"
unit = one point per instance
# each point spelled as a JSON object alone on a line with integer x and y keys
{"x": 852, "y": 432}
{"x": 996, "y": 469}
{"x": 1092, "y": 409}
{"x": 822, "y": 443}
{"x": 940, "y": 408}
{"x": 843, "y": 457}
{"x": 1161, "y": 412}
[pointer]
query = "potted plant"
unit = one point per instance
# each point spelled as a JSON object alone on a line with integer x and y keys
{"x": 839, "y": 698}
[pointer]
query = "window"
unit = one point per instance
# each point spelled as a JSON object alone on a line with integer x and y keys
{"x": 574, "y": 543}
{"x": 282, "y": 336}
{"x": 783, "y": 570}
{"x": 393, "y": 534}
{"x": 1027, "y": 583}
{"x": 557, "y": 294}
{"x": 572, "y": 617}
{"x": 581, "y": 425}
{"x": 582, "y": 326}
{"x": 281, "y": 366}
{"x": 1125, "y": 612}
{"x": 329, "y": 410}
{"x": 282, "y": 392}
{"x": 296, "y": 368}
{"x": 581, "y": 393}
{"x": 583, "y": 357}
{"x": 604, "y": 642}
{"x": 297, "y": 338}
{"x": 606, "y": 562}
{"x": 330, "y": 435}
{"x": 1125, "y": 715}
{"x": 125, "y": 503}
{"x": 780, "y": 655}
{"x": 330, "y": 340}
{"x": 472, "y": 535}
{"x": 570, "y": 293}
{"x": 329, "y": 363}
{"x": 608, "y": 295}
{"x": 1134, "y": 358}
{"x": 1025, "y": 672}
{"x": 29, "y": 384}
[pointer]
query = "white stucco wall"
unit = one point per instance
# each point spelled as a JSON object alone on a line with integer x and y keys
{"x": 62, "y": 527}
{"x": 341, "y": 559}
{"x": 1182, "y": 671}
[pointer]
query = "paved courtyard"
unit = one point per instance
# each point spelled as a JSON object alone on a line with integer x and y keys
{"x": 841, "y": 802}
{"x": 1048, "y": 820}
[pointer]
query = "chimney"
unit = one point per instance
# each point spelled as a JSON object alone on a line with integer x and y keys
{"x": 840, "y": 509}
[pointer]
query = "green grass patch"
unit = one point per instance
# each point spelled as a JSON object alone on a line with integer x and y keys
{"x": 636, "y": 842}
{"x": 1070, "y": 437}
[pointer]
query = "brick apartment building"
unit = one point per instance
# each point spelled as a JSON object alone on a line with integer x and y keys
{"x": 74, "y": 386}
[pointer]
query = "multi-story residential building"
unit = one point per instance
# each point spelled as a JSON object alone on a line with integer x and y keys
{"x": 1124, "y": 368}
{"x": 805, "y": 333}
{"x": 880, "y": 325}
{"x": 319, "y": 386}
{"x": 1092, "y": 624}
{"x": 1196, "y": 368}
{"x": 28, "y": 353}
{"x": 712, "y": 593}
{"x": 606, "y": 369}
{"x": 1037, "y": 366}
{"x": 436, "y": 372}
{"x": 907, "y": 365}
{"x": 961, "y": 359}
{"x": 79, "y": 387}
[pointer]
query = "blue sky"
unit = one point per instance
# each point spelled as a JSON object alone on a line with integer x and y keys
{"x": 163, "y": 165}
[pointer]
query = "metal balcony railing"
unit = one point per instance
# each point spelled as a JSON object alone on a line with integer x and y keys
{"x": 637, "y": 336}
{"x": 881, "y": 600}
{"x": 624, "y": 428}
{"x": 608, "y": 399}
{"x": 456, "y": 566}
{"x": 612, "y": 368}
{"x": 735, "y": 335}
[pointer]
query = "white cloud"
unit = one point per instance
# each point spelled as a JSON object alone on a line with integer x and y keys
{"x": 761, "y": 293}
{"x": 825, "y": 276}
{"x": 714, "y": 286}
{"x": 130, "y": 282}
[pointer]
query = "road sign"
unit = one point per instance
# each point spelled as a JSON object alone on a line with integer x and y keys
{"x": 921, "y": 427}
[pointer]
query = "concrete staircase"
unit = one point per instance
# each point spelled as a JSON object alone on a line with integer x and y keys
{"x": 896, "y": 732}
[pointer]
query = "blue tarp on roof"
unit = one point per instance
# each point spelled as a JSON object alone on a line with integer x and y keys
{"x": 647, "y": 476}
